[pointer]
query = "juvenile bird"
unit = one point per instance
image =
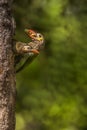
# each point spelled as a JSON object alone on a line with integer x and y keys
{"x": 37, "y": 43}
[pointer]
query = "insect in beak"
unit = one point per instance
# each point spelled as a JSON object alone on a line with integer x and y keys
{"x": 30, "y": 33}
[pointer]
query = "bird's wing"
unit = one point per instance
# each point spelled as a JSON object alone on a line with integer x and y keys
{"x": 26, "y": 60}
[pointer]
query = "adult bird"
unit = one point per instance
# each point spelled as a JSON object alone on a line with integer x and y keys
{"x": 26, "y": 52}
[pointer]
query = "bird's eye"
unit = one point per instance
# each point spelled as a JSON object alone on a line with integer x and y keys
{"x": 28, "y": 47}
{"x": 40, "y": 35}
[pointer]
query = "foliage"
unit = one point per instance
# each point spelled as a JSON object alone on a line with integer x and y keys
{"x": 52, "y": 91}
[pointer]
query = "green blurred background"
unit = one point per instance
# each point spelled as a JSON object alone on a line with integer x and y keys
{"x": 52, "y": 91}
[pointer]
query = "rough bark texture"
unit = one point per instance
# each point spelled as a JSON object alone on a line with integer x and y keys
{"x": 7, "y": 75}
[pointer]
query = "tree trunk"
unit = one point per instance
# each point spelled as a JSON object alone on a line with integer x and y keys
{"x": 7, "y": 75}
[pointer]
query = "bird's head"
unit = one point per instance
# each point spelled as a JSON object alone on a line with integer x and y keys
{"x": 34, "y": 35}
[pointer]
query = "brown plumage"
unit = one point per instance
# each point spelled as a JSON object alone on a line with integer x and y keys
{"x": 25, "y": 53}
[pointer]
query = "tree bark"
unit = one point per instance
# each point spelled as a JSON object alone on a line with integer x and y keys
{"x": 7, "y": 73}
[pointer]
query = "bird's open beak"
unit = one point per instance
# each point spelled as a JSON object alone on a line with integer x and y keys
{"x": 35, "y": 51}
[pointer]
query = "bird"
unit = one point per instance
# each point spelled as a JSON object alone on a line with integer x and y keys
{"x": 37, "y": 43}
{"x": 26, "y": 52}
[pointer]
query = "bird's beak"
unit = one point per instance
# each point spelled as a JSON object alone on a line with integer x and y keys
{"x": 39, "y": 39}
{"x": 35, "y": 51}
